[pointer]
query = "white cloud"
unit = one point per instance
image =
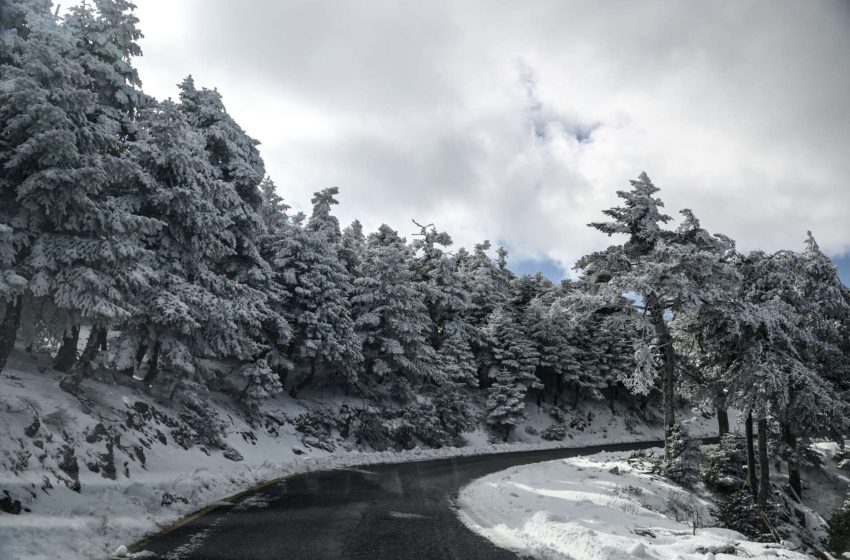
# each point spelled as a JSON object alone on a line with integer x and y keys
{"x": 517, "y": 121}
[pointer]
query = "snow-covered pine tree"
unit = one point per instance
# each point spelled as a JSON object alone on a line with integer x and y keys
{"x": 261, "y": 383}
{"x": 487, "y": 282}
{"x": 451, "y": 336}
{"x": 447, "y": 302}
{"x": 316, "y": 285}
{"x": 235, "y": 160}
{"x": 512, "y": 369}
{"x": 828, "y": 315}
{"x": 25, "y": 26}
{"x": 390, "y": 314}
{"x": 272, "y": 207}
{"x": 670, "y": 272}
{"x": 64, "y": 163}
{"x": 232, "y": 153}
{"x": 818, "y": 404}
{"x": 505, "y": 402}
{"x": 702, "y": 376}
{"x": 106, "y": 36}
{"x": 193, "y": 310}
{"x": 761, "y": 338}
{"x": 488, "y": 288}
{"x": 352, "y": 247}
{"x": 603, "y": 334}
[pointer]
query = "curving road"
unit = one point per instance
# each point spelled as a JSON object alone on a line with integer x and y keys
{"x": 396, "y": 512}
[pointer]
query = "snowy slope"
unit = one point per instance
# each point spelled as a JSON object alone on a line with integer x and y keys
{"x": 85, "y": 499}
{"x": 599, "y": 508}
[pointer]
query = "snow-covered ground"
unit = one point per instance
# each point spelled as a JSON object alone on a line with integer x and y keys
{"x": 599, "y": 507}
{"x": 120, "y": 446}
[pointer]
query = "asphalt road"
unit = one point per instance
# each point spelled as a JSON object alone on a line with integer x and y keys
{"x": 394, "y": 512}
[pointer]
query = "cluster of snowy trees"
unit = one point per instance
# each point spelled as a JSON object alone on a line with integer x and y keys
{"x": 146, "y": 232}
{"x": 768, "y": 334}
{"x": 151, "y": 226}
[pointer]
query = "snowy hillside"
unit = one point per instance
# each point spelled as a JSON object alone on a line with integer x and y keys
{"x": 601, "y": 507}
{"x": 105, "y": 469}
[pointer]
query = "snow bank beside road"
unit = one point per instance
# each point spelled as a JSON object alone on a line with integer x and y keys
{"x": 598, "y": 508}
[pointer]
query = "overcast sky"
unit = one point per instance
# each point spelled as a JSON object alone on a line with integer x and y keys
{"x": 517, "y": 121}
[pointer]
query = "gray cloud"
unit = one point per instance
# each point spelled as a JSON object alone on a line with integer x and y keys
{"x": 517, "y": 121}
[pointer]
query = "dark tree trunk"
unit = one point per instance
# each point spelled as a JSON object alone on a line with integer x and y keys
{"x": 751, "y": 456}
{"x": 9, "y": 329}
{"x": 103, "y": 341}
{"x": 245, "y": 390}
{"x": 140, "y": 353}
{"x": 67, "y": 354}
{"x": 790, "y": 439}
{"x": 722, "y": 421}
{"x": 668, "y": 371}
{"x": 153, "y": 364}
{"x": 764, "y": 464}
{"x": 97, "y": 338}
{"x": 575, "y": 398}
{"x": 82, "y": 369}
{"x": 306, "y": 381}
{"x": 558, "y": 389}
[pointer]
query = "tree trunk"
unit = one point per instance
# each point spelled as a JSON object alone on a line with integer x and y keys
{"x": 558, "y": 389}
{"x": 153, "y": 364}
{"x": 751, "y": 456}
{"x": 764, "y": 464}
{"x": 82, "y": 369}
{"x": 668, "y": 371}
{"x": 9, "y": 329}
{"x": 790, "y": 439}
{"x": 67, "y": 354}
{"x": 722, "y": 421}
{"x": 140, "y": 353}
{"x": 97, "y": 336}
{"x": 306, "y": 381}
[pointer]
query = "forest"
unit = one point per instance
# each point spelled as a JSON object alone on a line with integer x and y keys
{"x": 142, "y": 239}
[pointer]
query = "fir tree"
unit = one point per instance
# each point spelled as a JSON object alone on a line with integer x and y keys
{"x": 352, "y": 247}
{"x": 390, "y": 315}
{"x": 75, "y": 227}
{"x": 193, "y": 310}
{"x": 512, "y": 369}
{"x": 316, "y": 286}
{"x": 447, "y": 302}
{"x": 672, "y": 272}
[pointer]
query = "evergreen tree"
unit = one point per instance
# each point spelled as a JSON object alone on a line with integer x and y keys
{"x": 316, "y": 285}
{"x": 73, "y": 224}
{"x": 486, "y": 281}
{"x": 671, "y": 272}
{"x": 193, "y": 310}
{"x": 352, "y": 247}
{"x": 512, "y": 369}
{"x": 232, "y": 153}
{"x": 272, "y": 207}
{"x": 390, "y": 315}
{"x": 505, "y": 403}
{"x": 447, "y": 302}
